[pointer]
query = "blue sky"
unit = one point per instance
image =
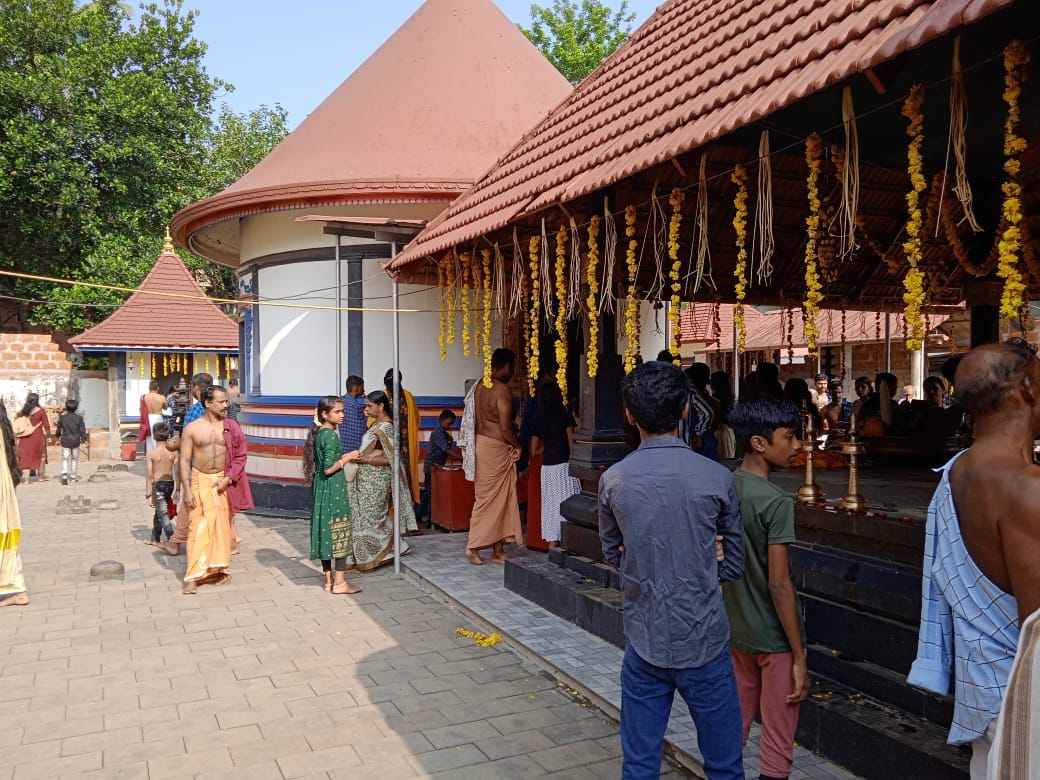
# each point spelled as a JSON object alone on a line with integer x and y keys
{"x": 297, "y": 53}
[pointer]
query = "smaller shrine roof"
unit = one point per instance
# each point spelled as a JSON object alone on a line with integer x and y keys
{"x": 169, "y": 312}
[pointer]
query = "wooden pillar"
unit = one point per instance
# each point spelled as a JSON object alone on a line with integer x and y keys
{"x": 599, "y": 442}
{"x": 983, "y": 298}
{"x": 116, "y": 379}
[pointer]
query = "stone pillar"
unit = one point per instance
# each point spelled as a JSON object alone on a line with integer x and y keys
{"x": 116, "y": 360}
{"x": 983, "y": 298}
{"x": 599, "y": 442}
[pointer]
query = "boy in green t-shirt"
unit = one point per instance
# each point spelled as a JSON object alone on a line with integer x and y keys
{"x": 767, "y": 634}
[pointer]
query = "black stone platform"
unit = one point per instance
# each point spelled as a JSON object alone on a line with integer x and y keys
{"x": 859, "y": 578}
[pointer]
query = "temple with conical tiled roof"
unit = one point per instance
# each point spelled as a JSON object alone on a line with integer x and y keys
{"x": 310, "y": 227}
{"x": 166, "y": 331}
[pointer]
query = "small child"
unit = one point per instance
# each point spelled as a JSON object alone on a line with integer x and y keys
{"x": 440, "y": 452}
{"x": 73, "y": 433}
{"x": 767, "y": 632}
{"x": 160, "y": 486}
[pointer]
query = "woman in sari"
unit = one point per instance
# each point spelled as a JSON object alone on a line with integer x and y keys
{"x": 12, "y": 583}
{"x": 370, "y": 498}
{"x": 323, "y": 464}
{"x": 32, "y": 449}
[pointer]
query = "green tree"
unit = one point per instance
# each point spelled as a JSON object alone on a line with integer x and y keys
{"x": 106, "y": 130}
{"x": 578, "y": 37}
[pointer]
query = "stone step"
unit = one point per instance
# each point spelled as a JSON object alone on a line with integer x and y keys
{"x": 874, "y": 739}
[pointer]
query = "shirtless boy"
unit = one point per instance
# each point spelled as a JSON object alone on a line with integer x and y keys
{"x": 153, "y": 402}
{"x": 160, "y": 485}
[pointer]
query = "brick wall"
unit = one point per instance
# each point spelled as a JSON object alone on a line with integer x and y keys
{"x": 34, "y": 362}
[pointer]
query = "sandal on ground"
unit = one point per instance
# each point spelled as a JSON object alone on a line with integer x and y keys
{"x": 345, "y": 589}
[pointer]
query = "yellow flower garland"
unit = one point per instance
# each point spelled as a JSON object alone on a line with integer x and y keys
{"x": 675, "y": 200}
{"x": 442, "y": 317}
{"x": 1016, "y": 57}
{"x": 485, "y": 255}
{"x": 592, "y": 358}
{"x": 632, "y": 305}
{"x": 813, "y": 288}
{"x": 464, "y": 285}
{"x": 536, "y": 302}
{"x": 484, "y": 640}
{"x": 561, "y": 310}
{"x": 739, "y": 177}
{"x": 913, "y": 282}
{"x": 477, "y": 304}
{"x": 449, "y": 282}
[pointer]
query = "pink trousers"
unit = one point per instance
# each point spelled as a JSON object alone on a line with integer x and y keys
{"x": 763, "y": 685}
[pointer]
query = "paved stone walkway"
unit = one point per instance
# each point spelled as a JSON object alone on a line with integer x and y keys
{"x": 268, "y": 677}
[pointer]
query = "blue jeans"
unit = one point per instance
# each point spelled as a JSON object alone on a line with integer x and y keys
{"x": 647, "y": 692}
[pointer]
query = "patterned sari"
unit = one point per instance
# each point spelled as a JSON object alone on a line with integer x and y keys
{"x": 370, "y": 499}
{"x": 11, "y": 579}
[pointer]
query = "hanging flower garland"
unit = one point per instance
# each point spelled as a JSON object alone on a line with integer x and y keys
{"x": 477, "y": 304}
{"x": 632, "y": 305}
{"x": 1016, "y": 57}
{"x": 844, "y": 340}
{"x": 790, "y": 335}
{"x": 452, "y": 300}
{"x": 913, "y": 282}
{"x": 675, "y": 200}
{"x": 561, "y": 310}
{"x": 536, "y": 298}
{"x": 485, "y": 255}
{"x": 592, "y": 301}
{"x": 813, "y": 288}
{"x": 464, "y": 284}
{"x": 740, "y": 217}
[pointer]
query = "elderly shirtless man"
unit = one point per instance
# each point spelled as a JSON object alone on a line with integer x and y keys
{"x": 205, "y": 469}
{"x": 981, "y": 578}
{"x": 496, "y": 514}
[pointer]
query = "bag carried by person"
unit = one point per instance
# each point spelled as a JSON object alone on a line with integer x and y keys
{"x": 23, "y": 427}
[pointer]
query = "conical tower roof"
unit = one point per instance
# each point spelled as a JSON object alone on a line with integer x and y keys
{"x": 431, "y": 110}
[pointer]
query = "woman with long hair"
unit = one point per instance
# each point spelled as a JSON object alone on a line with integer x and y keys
{"x": 32, "y": 448}
{"x": 12, "y": 583}
{"x": 323, "y": 464}
{"x": 370, "y": 499}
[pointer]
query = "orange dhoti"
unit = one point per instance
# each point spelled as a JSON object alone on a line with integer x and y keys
{"x": 496, "y": 514}
{"x": 210, "y": 534}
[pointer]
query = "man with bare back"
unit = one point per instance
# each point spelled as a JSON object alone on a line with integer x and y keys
{"x": 152, "y": 405}
{"x": 205, "y": 473}
{"x": 982, "y": 543}
{"x": 496, "y": 514}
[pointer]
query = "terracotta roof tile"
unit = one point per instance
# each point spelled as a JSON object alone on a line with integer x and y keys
{"x": 161, "y": 323}
{"x": 695, "y": 71}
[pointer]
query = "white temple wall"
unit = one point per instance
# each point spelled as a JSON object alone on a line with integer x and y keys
{"x": 297, "y": 350}
{"x": 421, "y": 366}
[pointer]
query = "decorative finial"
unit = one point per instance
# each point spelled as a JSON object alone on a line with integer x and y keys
{"x": 167, "y": 244}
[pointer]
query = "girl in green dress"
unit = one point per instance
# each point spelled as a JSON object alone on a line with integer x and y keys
{"x": 323, "y": 462}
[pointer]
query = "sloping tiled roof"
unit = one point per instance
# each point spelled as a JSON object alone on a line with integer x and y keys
{"x": 423, "y": 117}
{"x": 161, "y": 322}
{"x": 695, "y": 71}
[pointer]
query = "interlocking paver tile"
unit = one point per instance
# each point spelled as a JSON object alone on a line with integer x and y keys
{"x": 272, "y": 677}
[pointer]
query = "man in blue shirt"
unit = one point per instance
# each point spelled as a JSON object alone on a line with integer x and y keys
{"x": 660, "y": 511}
{"x": 354, "y": 421}
{"x": 199, "y": 383}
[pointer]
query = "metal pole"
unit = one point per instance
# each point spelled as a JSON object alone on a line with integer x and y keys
{"x": 396, "y": 384}
{"x": 736, "y": 363}
{"x": 339, "y": 322}
{"x": 888, "y": 342}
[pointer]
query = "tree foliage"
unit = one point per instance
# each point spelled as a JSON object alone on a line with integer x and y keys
{"x": 578, "y": 37}
{"x": 106, "y": 130}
